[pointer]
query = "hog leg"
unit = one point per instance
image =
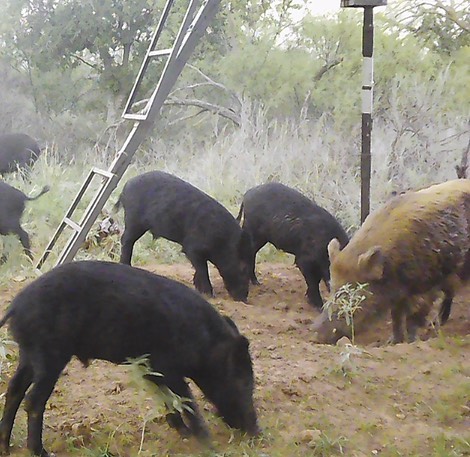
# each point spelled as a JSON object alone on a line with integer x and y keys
{"x": 17, "y": 388}
{"x": 194, "y": 417}
{"x": 258, "y": 240}
{"x": 312, "y": 276}
{"x": 197, "y": 426}
{"x": 398, "y": 335}
{"x": 413, "y": 322}
{"x": 201, "y": 279}
{"x": 129, "y": 237}
{"x": 46, "y": 374}
{"x": 446, "y": 306}
{"x": 24, "y": 238}
{"x": 257, "y": 245}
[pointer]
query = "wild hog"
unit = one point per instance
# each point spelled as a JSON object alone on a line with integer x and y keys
{"x": 274, "y": 213}
{"x": 171, "y": 208}
{"x": 17, "y": 150}
{"x": 407, "y": 251}
{"x": 109, "y": 311}
{"x": 12, "y": 204}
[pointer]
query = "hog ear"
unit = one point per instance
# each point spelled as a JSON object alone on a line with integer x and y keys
{"x": 231, "y": 323}
{"x": 240, "y": 351}
{"x": 371, "y": 264}
{"x": 333, "y": 249}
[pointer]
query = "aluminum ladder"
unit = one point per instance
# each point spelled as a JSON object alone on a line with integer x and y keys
{"x": 198, "y": 16}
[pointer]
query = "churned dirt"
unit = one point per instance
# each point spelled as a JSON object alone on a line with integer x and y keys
{"x": 404, "y": 400}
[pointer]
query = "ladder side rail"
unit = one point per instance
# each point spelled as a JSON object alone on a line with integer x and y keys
{"x": 146, "y": 61}
{"x": 51, "y": 244}
{"x": 205, "y": 14}
{"x": 179, "y": 58}
{"x": 63, "y": 225}
{"x": 182, "y": 32}
{"x": 91, "y": 214}
{"x": 93, "y": 210}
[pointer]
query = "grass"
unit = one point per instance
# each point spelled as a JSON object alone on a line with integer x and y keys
{"x": 445, "y": 446}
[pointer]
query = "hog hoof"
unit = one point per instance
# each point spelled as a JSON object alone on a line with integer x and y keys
{"x": 4, "y": 443}
{"x": 392, "y": 340}
{"x": 42, "y": 453}
{"x": 313, "y": 301}
{"x": 204, "y": 289}
{"x": 203, "y": 436}
{"x": 412, "y": 339}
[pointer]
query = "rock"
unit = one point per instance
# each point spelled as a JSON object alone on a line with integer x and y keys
{"x": 310, "y": 436}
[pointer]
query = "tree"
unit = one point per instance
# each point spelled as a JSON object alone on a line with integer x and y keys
{"x": 106, "y": 36}
{"x": 441, "y": 25}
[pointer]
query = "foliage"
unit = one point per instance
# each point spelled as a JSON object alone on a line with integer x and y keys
{"x": 140, "y": 375}
{"x": 440, "y": 25}
{"x": 345, "y": 302}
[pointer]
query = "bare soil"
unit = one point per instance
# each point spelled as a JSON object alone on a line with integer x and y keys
{"x": 403, "y": 400}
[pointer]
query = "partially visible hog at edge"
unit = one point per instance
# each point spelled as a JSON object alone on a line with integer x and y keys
{"x": 109, "y": 311}
{"x": 17, "y": 151}
{"x": 174, "y": 209}
{"x": 407, "y": 251}
{"x": 274, "y": 213}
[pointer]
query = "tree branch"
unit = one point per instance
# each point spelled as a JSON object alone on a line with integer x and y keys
{"x": 206, "y": 106}
{"x": 328, "y": 66}
{"x": 81, "y": 59}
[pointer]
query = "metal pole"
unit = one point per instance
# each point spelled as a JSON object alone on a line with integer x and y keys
{"x": 367, "y": 94}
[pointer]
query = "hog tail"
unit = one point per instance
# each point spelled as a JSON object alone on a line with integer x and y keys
{"x": 118, "y": 204}
{"x": 240, "y": 213}
{"x": 43, "y": 191}
{"x": 444, "y": 312}
{"x": 7, "y": 316}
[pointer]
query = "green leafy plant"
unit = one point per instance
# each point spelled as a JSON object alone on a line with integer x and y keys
{"x": 140, "y": 374}
{"x": 345, "y": 302}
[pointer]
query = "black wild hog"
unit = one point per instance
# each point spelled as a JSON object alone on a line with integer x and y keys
{"x": 109, "y": 311}
{"x": 12, "y": 204}
{"x": 171, "y": 208}
{"x": 407, "y": 251}
{"x": 274, "y": 213}
{"x": 17, "y": 150}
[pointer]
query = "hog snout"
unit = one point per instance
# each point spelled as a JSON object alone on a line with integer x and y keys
{"x": 326, "y": 331}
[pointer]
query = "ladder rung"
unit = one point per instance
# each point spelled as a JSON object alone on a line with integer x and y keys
{"x": 105, "y": 173}
{"x": 72, "y": 224}
{"x": 135, "y": 117}
{"x": 160, "y": 52}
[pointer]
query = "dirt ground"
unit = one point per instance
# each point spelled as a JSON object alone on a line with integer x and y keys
{"x": 403, "y": 400}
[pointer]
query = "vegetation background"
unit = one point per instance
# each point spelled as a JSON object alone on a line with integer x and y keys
{"x": 272, "y": 93}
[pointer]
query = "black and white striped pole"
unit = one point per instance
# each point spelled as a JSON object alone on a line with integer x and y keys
{"x": 367, "y": 94}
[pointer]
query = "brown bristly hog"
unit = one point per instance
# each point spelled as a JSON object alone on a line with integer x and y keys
{"x": 415, "y": 246}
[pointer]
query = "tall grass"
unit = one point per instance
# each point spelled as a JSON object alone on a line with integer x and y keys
{"x": 312, "y": 156}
